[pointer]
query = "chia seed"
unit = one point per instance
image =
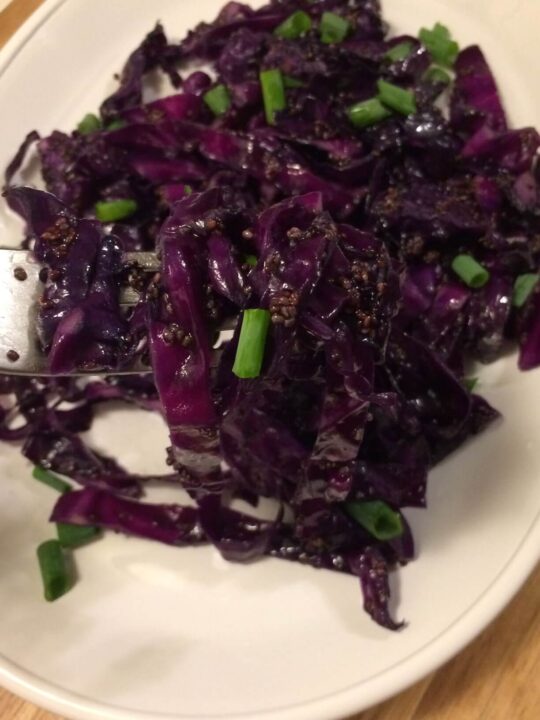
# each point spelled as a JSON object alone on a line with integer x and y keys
{"x": 294, "y": 234}
{"x": 20, "y": 274}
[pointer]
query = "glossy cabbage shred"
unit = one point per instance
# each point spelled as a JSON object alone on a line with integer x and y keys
{"x": 353, "y": 232}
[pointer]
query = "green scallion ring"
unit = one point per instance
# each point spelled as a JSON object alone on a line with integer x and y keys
{"x": 396, "y": 98}
{"x": 50, "y": 479}
{"x": 296, "y": 25}
{"x": 218, "y": 99}
{"x": 54, "y": 570}
{"x": 377, "y": 518}
{"x": 470, "y": 271}
{"x": 89, "y": 124}
{"x": 273, "y": 91}
{"x": 399, "y": 52}
{"x": 251, "y": 343}
{"x": 368, "y": 112}
{"x": 114, "y": 210}
{"x": 73, "y": 536}
{"x": 524, "y": 285}
{"x": 333, "y": 28}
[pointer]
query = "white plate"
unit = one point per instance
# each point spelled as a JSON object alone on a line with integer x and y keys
{"x": 153, "y": 632}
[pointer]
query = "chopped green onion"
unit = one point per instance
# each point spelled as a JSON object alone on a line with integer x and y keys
{"x": 297, "y": 24}
{"x": 116, "y": 124}
{"x": 250, "y": 260}
{"x": 54, "y": 571}
{"x": 251, "y": 344}
{"x": 396, "y": 98}
{"x": 218, "y": 99}
{"x": 273, "y": 92}
{"x": 471, "y": 272}
{"x": 399, "y": 52}
{"x": 470, "y": 383}
{"x": 523, "y": 287}
{"x": 436, "y": 74}
{"x": 290, "y": 82}
{"x": 113, "y": 210}
{"x": 188, "y": 189}
{"x": 367, "y": 113}
{"x": 334, "y": 28}
{"x": 89, "y": 124}
{"x": 73, "y": 536}
{"x": 50, "y": 479}
{"x": 440, "y": 45}
{"x": 377, "y": 518}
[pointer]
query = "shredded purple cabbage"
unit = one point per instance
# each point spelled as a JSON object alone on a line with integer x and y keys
{"x": 354, "y": 232}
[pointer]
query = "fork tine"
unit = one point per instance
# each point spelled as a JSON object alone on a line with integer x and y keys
{"x": 145, "y": 261}
{"x": 19, "y": 300}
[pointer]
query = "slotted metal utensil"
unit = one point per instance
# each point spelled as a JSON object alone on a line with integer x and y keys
{"x": 20, "y": 291}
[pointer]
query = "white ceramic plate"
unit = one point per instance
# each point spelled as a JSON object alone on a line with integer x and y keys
{"x": 152, "y": 632}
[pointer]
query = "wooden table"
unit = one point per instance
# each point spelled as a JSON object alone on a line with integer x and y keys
{"x": 495, "y": 678}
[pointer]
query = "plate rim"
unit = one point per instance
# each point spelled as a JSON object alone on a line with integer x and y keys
{"x": 356, "y": 698}
{"x": 342, "y": 703}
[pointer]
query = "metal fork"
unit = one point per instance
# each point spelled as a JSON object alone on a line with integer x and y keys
{"x": 20, "y": 291}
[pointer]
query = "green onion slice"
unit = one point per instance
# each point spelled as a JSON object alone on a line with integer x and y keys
{"x": 399, "y": 52}
{"x": 273, "y": 91}
{"x": 436, "y": 74}
{"x": 54, "y": 570}
{"x": 440, "y": 45}
{"x": 396, "y": 98}
{"x": 291, "y": 82}
{"x": 296, "y": 25}
{"x": 73, "y": 536}
{"x": 470, "y": 271}
{"x": 116, "y": 124}
{"x": 218, "y": 99}
{"x": 48, "y": 478}
{"x": 523, "y": 287}
{"x": 470, "y": 383}
{"x": 89, "y": 124}
{"x": 368, "y": 112}
{"x": 333, "y": 28}
{"x": 377, "y": 518}
{"x": 250, "y": 260}
{"x": 251, "y": 344}
{"x": 113, "y": 210}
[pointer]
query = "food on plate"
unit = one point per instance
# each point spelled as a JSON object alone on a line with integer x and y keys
{"x": 344, "y": 220}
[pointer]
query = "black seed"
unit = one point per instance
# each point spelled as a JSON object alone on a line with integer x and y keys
{"x": 20, "y": 274}
{"x": 12, "y": 355}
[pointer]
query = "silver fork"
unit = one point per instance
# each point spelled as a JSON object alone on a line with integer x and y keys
{"x": 20, "y": 291}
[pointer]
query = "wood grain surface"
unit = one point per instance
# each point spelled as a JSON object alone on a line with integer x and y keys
{"x": 495, "y": 678}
